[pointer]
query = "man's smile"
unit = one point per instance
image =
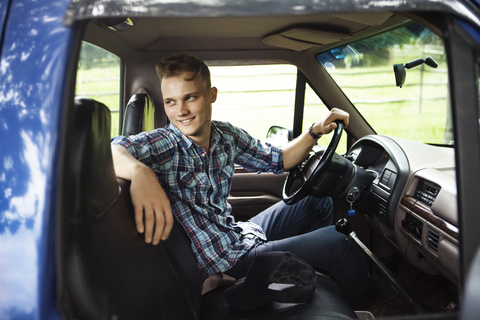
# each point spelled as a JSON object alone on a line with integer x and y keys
{"x": 186, "y": 121}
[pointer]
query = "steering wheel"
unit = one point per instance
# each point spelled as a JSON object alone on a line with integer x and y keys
{"x": 312, "y": 171}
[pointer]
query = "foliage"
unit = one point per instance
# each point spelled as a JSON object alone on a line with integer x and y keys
{"x": 102, "y": 84}
{"x": 92, "y": 56}
{"x": 378, "y": 50}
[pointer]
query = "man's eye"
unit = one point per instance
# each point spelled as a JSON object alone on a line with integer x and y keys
{"x": 169, "y": 102}
{"x": 191, "y": 98}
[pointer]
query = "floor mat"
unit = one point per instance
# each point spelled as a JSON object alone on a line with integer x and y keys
{"x": 436, "y": 293}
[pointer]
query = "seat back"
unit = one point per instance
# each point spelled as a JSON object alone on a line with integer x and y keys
{"x": 139, "y": 115}
{"x": 105, "y": 269}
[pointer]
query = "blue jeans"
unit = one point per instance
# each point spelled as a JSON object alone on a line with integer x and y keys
{"x": 305, "y": 229}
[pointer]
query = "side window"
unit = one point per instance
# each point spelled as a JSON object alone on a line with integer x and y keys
{"x": 255, "y": 97}
{"x": 98, "y": 78}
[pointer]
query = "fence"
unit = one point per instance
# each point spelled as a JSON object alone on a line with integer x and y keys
{"x": 239, "y": 91}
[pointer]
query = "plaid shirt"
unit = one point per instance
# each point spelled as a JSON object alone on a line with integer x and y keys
{"x": 198, "y": 185}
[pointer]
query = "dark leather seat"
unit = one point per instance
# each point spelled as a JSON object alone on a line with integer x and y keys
{"x": 105, "y": 269}
{"x": 328, "y": 302}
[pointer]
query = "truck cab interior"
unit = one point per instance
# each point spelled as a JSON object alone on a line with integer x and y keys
{"x": 281, "y": 65}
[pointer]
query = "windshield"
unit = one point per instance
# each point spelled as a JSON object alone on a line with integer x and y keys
{"x": 418, "y": 109}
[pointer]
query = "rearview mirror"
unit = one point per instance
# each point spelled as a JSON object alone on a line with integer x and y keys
{"x": 278, "y": 136}
{"x": 400, "y": 73}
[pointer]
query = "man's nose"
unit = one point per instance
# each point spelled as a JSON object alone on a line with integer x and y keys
{"x": 182, "y": 109}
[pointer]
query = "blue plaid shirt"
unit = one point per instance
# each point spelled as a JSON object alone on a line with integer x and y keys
{"x": 198, "y": 185}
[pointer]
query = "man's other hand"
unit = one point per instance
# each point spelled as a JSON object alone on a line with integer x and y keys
{"x": 153, "y": 214}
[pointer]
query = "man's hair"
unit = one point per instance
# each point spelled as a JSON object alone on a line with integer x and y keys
{"x": 183, "y": 62}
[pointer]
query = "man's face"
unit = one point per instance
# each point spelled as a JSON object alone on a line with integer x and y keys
{"x": 188, "y": 105}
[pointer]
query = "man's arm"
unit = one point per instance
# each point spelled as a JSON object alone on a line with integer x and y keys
{"x": 297, "y": 150}
{"x": 153, "y": 214}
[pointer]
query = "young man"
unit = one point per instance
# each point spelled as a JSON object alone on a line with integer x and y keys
{"x": 184, "y": 170}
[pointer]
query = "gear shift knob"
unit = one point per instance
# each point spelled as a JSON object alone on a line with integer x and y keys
{"x": 343, "y": 226}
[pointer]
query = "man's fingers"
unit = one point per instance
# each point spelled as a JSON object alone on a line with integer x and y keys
{"x": 153, "y": 215}
{"x": 159, "y": 226}
{"x": 149, "y": 219}
{"x": 168, "y": 224}
{"x": 139, "y": 219}
{"x": 340, "y": 115}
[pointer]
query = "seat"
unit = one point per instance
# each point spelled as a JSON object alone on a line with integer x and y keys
{"x": 105, "y": 269}
{"x": 139, "y": 115}
{"x": 328, "y": 302}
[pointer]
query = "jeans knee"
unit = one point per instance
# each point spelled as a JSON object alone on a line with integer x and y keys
{"x": 346, "y": 250}
{"x": 322, "y": 208}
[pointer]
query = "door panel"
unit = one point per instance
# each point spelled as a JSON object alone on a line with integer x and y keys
{"x": 252, "y": 193}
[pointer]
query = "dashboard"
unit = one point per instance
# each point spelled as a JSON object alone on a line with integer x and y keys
{"x": 412, "y": 201}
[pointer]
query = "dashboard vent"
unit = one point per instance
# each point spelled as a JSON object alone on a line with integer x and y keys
{"x": 432, "y": 239}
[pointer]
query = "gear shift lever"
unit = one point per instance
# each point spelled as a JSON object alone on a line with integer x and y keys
{"x": 343, "y": 226}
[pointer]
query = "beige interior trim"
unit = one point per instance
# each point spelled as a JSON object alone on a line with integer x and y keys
{"x": 373, "y": 18}
{"x": 300, "y": 39}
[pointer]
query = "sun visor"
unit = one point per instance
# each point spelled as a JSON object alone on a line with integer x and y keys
{"x": 370, "y": 19}
{"x": 302, "y": 39}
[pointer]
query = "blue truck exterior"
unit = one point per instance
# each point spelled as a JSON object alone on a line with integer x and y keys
{"x": 35, "y": 83}
{"x": 35, "y": 51}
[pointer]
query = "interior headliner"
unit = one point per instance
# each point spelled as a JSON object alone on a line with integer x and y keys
{"x": 299, "y": 33}
{"x": 220, "y": 40}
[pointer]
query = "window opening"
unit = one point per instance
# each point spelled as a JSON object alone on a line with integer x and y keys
{"x": 98, "y": 78}
{"x": 420, "y": 109}
{"x": 255, "y": 97}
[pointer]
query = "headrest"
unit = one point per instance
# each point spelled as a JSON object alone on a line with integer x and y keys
{"x": 139, "y": 114}
{"x": 91, "y": 157}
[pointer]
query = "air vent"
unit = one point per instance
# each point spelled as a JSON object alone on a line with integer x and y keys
{"x": 432, "y": 239}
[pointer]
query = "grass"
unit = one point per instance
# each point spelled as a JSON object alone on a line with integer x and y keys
{"x": 413, "y": 112}
{"x": 103, "y": 85}
{"x": 255, "y": 98}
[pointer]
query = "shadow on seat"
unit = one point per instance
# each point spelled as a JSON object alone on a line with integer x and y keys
{"x": 105, "y": 269}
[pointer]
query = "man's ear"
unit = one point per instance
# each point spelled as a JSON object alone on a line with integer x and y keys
{"x": 213, "y": 94}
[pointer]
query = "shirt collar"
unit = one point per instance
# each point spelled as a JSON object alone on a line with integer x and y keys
{"x": 183, "y": 140}
{"x": 217, "y": 135}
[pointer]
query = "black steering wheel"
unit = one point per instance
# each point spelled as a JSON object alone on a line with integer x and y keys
{"x": 312, "y": 171}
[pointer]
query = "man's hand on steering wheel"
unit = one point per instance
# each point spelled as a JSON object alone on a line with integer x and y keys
{"x": 317, "y": 165}
{"x": 327, "y": 124}
{"x": 295, "y": 152}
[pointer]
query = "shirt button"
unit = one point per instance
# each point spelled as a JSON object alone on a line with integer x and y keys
{"x": 203, "y": 155}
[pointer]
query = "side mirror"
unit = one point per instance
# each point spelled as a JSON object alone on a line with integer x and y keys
{"x": 279, "y": 136}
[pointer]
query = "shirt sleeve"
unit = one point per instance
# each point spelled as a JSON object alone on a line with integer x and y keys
{"x": 151, "y": 148}
{"x": 253, "y": 155}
